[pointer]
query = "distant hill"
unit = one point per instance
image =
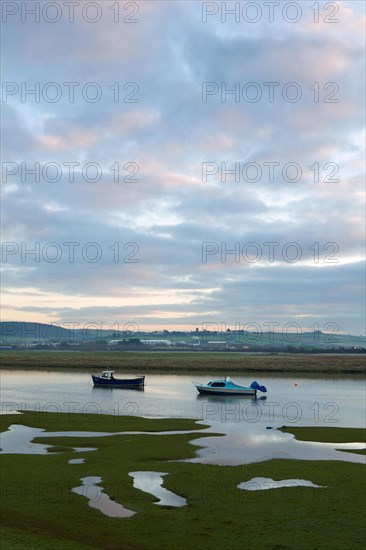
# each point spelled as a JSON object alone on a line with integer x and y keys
{"x": 16, "y": 332}
{"x": 25, "y": 334}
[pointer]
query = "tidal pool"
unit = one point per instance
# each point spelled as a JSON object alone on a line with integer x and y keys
{"x": 151, "y": 482}
{"x": 99, "y": 500}
{"x": 265, "y": 483}
{"x": 239, "y": 444}
{"x": 17, "y": 439}
{"x": 245, "y": 444}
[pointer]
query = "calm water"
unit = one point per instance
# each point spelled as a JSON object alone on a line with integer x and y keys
{"x": 248, "y": 424}
{"x": 151, "y": 482}
{"x": 294, "y": 400}
{"x": 91, "y": 489}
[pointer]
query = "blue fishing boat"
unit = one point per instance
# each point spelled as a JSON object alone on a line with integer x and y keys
{"x": 106, "y": 379}
{"x": 228, "y": 387}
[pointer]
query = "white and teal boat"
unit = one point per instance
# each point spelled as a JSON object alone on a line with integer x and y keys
{"x": 228, "y": 387}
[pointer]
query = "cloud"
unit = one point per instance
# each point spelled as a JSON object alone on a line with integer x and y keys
{"x": 160, "y": 210}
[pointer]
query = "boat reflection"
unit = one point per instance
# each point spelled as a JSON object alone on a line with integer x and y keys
{"x": 105, "y": 389}
{"x": 228, "y": 398}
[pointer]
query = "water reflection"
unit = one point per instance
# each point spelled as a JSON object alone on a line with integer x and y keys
{"x": 240, "y": 444}
{"x": 319, "y": 399}
{"x": 265, "y": 483}
{"x": 256, "y": 444}
{"x": 99, "y": 500}
{"x": 229, "y": 398}
{"x": 18, "y": 440}
{"x": 297, "y": 400}
{"x": 126, "y": 389}
{"x": 151, "y": 482}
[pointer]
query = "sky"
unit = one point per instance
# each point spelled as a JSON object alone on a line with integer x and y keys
{"x": 174, "y": 164}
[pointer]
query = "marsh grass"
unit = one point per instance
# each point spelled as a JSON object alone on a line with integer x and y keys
{"x": 184, "y": 362}
{"x": 333, "y": 435}
{"x": 40, "y": 511}
{"x": 325, "y": 434}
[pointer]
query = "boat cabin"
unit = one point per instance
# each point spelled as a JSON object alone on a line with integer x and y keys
{"x": 107, "y": 375}
{"x": 217, "y": 384}
{"x": 221, "y": 383}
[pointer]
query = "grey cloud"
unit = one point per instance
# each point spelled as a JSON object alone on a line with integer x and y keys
{"x": 170, "y": 212}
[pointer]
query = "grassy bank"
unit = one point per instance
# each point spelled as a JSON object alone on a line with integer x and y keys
{"x": 326, "y": 435}
{"x": 150, "y": 362}
{"x": 39, "y": 510}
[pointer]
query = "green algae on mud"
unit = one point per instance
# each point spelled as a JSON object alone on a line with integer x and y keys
{"x": 70, "y": 421}
{"x": 329, "y": 435}
{"x": 181, "y": 362}
{"x": 326, "y": 434}
{"x": 40, "y": 511}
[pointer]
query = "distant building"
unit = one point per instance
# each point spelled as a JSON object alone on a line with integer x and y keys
{"x": 157, "y": 342}
{"x": 114, "y": 342}
{"x": 217, "y": 344}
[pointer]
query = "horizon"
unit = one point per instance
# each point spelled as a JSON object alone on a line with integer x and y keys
{"x": 132, "y": 329}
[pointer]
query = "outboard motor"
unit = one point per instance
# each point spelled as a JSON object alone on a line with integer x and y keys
{"x": 256, "y": 386}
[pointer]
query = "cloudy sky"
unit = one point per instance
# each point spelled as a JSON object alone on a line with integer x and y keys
{"x": 169, "y": 164}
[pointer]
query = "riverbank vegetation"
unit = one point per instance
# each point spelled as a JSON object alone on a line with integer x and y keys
{"x": 184, "y": 362}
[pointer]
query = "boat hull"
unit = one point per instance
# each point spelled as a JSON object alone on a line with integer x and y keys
{"x": 119, "y": 383}
{"x": 204, "y": 390}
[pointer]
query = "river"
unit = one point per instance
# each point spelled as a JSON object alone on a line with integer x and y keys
{"x": 248, "y": 424}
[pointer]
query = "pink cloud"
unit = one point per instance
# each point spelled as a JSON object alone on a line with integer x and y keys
{"x": 128, "y": 122}
{"x": 339, "y": 19}
{"x": 70, "y": 141}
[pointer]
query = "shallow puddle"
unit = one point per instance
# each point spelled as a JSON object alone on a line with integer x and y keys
{"x": 239, "y": 444}
{"x": 18, "y": 440}
{"x": 263, "y": 483}
{"x": 76, "y": 461}
{"x": 151, "y": 482}
{"x": 99, "y": 500}
{"x": 255, "y": 443}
